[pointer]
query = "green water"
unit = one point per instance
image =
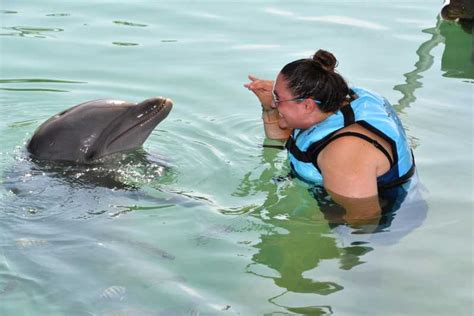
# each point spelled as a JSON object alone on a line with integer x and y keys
{"x": 199, "y": 221}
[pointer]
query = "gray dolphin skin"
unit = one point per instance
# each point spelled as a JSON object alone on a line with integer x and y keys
{"x": 91, "y": 130}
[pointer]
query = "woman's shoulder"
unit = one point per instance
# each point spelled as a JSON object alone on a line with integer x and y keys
{"x": 349, "y": 167}
{"x": 353, "y": 151}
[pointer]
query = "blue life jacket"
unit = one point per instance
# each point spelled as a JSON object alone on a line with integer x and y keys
{"x": 373, "y": 112}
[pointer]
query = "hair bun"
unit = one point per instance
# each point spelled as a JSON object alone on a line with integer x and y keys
{"x": 326, "y": 60}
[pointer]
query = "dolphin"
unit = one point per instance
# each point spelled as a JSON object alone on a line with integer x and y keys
{"x": 89, "y": 131}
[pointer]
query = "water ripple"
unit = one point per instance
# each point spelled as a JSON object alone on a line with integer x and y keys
{"x": 279, "y": 12}
{"x": 256, "y": 46}
{"x": 130, "y": 24}
{"x": 38, "y": 80}
{"x": 344, "y": 20}
{"x": 33, "y": 90}
{"x": 30, "y": 31}
{"x": 58, "y": 14}
{"x": 335, "y": 19}
{"x": 35, "y": 80}
{"x": 125, "y": 44}
{"x": 22, "y": 123}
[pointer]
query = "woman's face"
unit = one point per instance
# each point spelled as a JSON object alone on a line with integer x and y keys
{"x": 291, "y": 108}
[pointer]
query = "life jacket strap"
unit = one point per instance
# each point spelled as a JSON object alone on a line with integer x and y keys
{"x": 364, "y": 137}
{"x": 401, "y": 179}
{"x": 295, "y": 151}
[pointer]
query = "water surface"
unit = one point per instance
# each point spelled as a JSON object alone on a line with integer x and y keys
{"x": 202, "y": 220}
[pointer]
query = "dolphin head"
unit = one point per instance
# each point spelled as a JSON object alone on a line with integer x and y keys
{"x": 94, "y": 129}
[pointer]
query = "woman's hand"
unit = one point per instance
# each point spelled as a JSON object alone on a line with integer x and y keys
{"x": 262, "y": 89}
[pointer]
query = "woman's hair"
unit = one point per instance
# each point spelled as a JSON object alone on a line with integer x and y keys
{"x": 316, "y": 78}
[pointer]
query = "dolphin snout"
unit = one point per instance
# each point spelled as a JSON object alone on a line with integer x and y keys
{"x": 168, "y": 102}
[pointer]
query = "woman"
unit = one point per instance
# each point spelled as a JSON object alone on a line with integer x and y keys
{"x": 350, "y": 140}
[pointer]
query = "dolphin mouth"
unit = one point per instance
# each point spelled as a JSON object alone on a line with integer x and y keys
{"x": 152, "y": 110}
{"x": 149, "y": 114}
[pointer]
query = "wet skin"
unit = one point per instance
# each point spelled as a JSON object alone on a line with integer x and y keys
{"x": 92, "y": 130}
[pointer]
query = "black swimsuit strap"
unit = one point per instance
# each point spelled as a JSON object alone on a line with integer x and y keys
{"x": 362, "y": 136}
{"x": 274, "y": 146}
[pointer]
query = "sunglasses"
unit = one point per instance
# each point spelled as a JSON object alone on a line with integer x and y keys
{"x": 277, "y": 102}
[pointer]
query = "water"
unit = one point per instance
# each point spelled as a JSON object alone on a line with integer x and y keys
{"x": 201, "y": 220}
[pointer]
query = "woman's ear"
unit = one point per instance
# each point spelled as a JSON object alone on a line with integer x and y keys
{"x": 309, "y": 105}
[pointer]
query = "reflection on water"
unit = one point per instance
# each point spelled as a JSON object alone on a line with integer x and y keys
{"x": 32, "y": 90}
{"x": 458, "y": 54}
{"x": 304, "y": 232}
{"x": 344, "y": 20}
{"x": 334, "y": 19}
{"x": 461, "y": 11}
{"x": 30, "y": 31}
{"x": 457, "y": 60}
{"x": 130, "y": 23}
{"x": 35, "y": 81}
{"x": 298, "y": 240}
{"x": 37, "y": 188}
{"x": 120, "y": 239}
{"x": 124, "y": 44}
{"x": 58, "y": 14}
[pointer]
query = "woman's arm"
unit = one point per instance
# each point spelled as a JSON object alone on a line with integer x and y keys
{"x": 359, "y": 211}
{"x": 349, "y": 169}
